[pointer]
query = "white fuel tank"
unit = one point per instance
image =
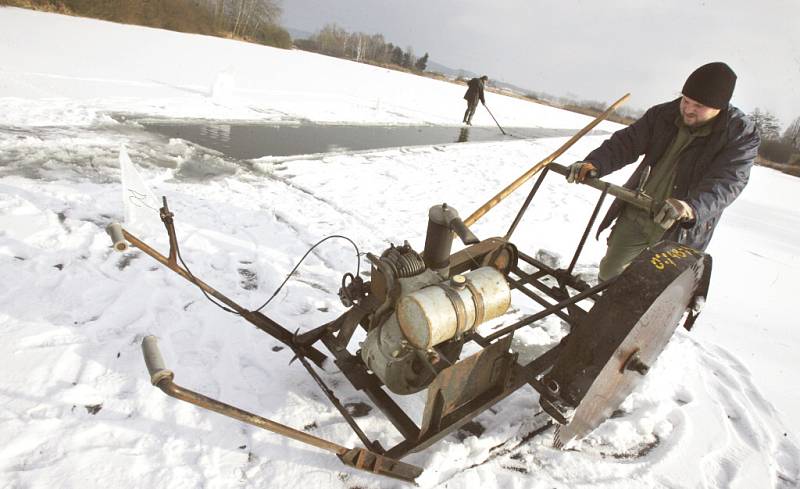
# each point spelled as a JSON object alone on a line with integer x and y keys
{"x": 447, "y": 310}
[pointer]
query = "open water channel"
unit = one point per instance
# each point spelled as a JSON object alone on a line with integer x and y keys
{"x": 249, "y": 141}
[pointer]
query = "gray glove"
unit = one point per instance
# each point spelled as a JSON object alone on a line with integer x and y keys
{"x": 579, "y": 170}
{"x": 672, "y": 211}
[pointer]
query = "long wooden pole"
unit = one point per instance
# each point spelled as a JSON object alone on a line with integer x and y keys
{"x": 536, "y": 168}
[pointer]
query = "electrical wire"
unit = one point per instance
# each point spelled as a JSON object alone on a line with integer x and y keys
{"x": 227, "y": 309}
{"x": 358, "y": 265}
{"x": 194, "y": 281}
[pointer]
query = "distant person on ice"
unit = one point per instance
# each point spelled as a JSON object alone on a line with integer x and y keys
{"x": 474, "y": 93}
{"x": 699, "y": 149}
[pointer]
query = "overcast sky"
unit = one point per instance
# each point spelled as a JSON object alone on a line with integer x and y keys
{"x": 591, "y": 49}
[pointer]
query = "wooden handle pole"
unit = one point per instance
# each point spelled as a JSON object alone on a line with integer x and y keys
{"x": 536, "y": 168}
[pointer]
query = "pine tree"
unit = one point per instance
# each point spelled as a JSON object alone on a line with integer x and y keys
{"x": 422, "y": 63}
{"x": 397, "y": 56}
{"x": 406, "y": 60}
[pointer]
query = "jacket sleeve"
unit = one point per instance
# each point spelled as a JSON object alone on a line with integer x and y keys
{"x": 727, "y": 175}
{"x": 483, "y": 101}
{"x": 624, "y": 146}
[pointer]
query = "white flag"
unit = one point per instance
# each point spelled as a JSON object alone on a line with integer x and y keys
{"x": 141, "y": 207}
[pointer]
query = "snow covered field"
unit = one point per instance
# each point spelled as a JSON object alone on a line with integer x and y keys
{"x": 76, "y": 405}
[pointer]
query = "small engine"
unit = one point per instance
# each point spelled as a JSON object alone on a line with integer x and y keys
{"x": 424, "y": 313}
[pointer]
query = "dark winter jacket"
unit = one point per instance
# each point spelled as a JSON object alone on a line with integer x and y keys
{"x": 475, "y": 91}
{"x": 711, "y": 171}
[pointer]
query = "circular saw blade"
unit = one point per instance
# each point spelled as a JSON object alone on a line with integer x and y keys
{"x": 608, "y": 355}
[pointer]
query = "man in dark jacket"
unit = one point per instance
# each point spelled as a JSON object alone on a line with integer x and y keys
{"x": 699, "y": 149}
{"x": 474, "y": 93}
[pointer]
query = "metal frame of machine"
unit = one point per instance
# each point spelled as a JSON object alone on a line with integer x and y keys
{"x": 460, "y": 389}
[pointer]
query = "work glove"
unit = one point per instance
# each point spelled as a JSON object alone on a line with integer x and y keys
{"x": 672, "y": 211}
{"x": 579, "y": 170}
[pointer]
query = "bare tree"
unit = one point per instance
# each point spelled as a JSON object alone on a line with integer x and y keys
{"x": 332, "y": 40}
{"x": 242, "y": 18}
{"x": 791, "y": 135}
{"x": 766, "y": 123}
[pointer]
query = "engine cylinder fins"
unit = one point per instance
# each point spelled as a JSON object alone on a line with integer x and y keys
{"x": 609, "y": 353}
{"x": 441, "y": 312}
{"x": 405, "y": 261}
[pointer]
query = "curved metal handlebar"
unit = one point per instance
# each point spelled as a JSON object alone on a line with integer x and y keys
{"x": 360, "y": 458}
{"x": 154, "y": 360}
{"x": 114, "y": 230}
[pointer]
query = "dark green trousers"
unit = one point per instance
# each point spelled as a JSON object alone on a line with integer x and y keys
{"x": 631, "y": 234}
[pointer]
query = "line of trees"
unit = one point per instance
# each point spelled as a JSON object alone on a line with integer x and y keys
{"x": 249, "y": 19}
{"x": 333, "y": 40}
{"x": 777, "y": 147}
{"x": 252, "y": 20}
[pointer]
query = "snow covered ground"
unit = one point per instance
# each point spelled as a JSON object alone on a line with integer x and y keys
{"x": 76, "y": 405}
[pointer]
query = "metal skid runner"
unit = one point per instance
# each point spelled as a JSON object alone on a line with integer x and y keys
{"x": 419, "y": 310}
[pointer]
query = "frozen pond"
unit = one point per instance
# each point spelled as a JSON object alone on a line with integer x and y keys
{"x": 247, "y": 141}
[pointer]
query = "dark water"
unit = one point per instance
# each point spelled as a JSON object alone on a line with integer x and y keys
{"x": 247, "y": 141}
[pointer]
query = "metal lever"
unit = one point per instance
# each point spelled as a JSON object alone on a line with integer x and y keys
{"x": 463, "y": 232}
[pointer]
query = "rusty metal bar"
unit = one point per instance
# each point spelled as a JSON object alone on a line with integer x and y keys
{"x": 519, "y": 285}
{"x": 259, "y": 320}
{"x": 372, "y": 445}
{"x": 550, "y": 310}
{"x": 525, "y": 205}
{"x": 166, "y": 218}
{"x": 518, "y": 377}
{"x": 586, "y": 231}
{"x": 361, "y": 458}
{"x": 558, "y": 274}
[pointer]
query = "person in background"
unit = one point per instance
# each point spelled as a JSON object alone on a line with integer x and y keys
{"x": 473, "y": 94}
{"x": 699, "y": 149}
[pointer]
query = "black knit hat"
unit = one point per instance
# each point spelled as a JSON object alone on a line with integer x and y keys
{"x": 711, "y": 85}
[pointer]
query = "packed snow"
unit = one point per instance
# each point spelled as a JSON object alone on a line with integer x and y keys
{"x": 76, "y": 405}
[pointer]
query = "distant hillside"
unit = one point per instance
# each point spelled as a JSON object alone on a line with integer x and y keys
{"x": 498, "y": 85}
{"x": 450, "y": 72}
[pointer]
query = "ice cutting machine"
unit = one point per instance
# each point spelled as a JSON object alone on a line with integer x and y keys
{"x": 419, "y": 310}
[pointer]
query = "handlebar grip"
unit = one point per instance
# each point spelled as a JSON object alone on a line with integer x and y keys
{"x": 154, "y": 361}
{"x": 115, "y": 231}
